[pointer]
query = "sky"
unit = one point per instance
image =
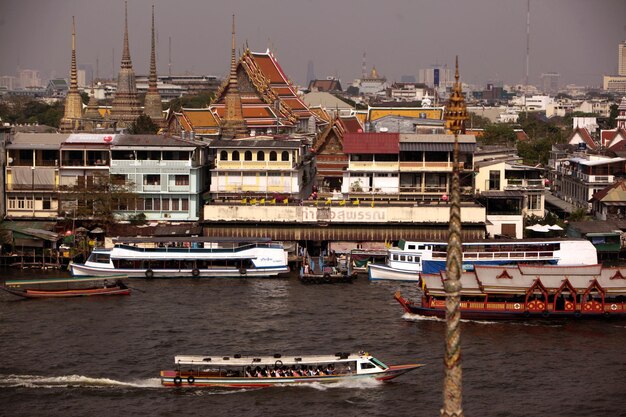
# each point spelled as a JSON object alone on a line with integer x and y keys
{"x": 576, "y": 38}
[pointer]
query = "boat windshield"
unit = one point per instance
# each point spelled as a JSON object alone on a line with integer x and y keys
{"x": 378, "y": 363}
{"x": 99, "y": 257}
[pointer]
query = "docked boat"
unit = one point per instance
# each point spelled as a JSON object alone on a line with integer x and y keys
{"x": 524, "y": 292}
{"x": 407, "y": 260}
{"x": 186, "y": 257}
{"x": 319, "y": 270}
{"x": 64, "y": 288}
{"x": 267, "y": 371}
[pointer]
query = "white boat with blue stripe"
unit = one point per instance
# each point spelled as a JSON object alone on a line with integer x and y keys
{"x": 186, "y": 257}
{"x": 407, "y": 260}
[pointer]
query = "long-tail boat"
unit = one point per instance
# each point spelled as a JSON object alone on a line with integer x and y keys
{"x": 67, "y": 287}
{"x": 524, "y": 292}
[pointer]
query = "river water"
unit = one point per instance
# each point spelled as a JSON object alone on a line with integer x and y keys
{"x": 102, "y": 356}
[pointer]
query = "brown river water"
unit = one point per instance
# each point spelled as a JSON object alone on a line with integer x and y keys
{"x": 102, "y": 356}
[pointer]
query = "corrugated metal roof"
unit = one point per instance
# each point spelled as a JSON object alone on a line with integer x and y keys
{"x": 435, "y": 138}
{"x": 371, "y": 143}
{"x": 436, "y": 147}
{"x": 256, "y": 143}
{"x": 37, "y": 141}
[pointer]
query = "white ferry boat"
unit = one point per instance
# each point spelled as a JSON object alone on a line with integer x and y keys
{"x": 186, "y": 257}
{"x": 407, "y": 260}
{"x": 266, "y": 371}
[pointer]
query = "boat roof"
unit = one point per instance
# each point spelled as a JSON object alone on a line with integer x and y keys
{"x": 239, "y": 360}
{"x": 18, "y": 282}
{"x": 182, "y": 239}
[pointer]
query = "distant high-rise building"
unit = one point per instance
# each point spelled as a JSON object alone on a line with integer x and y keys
{"x": 550, "y": 82}
{"x": 310, "y": 73}
{"x": 621, "y": 59}
{"x": 30, "y": 78}
{"x": 9, "y": 82}
{"x": 436, "y": 76}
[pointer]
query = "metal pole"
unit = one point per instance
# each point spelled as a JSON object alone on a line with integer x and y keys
{"x": 452, "y": 390}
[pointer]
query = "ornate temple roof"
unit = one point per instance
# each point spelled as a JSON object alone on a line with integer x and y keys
{"x": 125, "y": 108}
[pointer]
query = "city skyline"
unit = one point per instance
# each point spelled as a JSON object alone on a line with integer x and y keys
{"x": 575, "y": 38}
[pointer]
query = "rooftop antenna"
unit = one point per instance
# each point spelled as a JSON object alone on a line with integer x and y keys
{"x": 363, "y": 67}
{"x": 527, "y": 44}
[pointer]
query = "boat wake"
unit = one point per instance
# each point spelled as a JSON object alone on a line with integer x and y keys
{"x": 418, "y": 317}
{"x": 72, "y": 381}
{"x": 363, "y": 383}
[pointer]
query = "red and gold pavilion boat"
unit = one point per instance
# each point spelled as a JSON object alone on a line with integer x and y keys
{"x": 523, "y": 292}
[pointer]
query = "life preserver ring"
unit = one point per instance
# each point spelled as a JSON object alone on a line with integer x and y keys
{"x": 278, "y": 364}
{"x": 149, "y": 273}
{"x": 327, "y": 278}
{"x": 517, "y": 306}
{"x": 177, "y": 380}
{"x": 613, "y": 307}
{"x": 191, "y": 379}
{"x": 242, "y": 271}
{"x": 577, "y": 314}
{"x": 545, "y": 314}
{"x": 195, "y": 272}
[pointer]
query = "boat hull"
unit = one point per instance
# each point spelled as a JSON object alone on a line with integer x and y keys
{"x": 90, "y": 271}
{"x": 83, "y": 292}
{"x": 197, "y": 380}
{"x": 477, "y": 314}
{"x": 378, "y": 272}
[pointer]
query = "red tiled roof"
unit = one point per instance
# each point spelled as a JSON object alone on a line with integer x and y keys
{"x": 585, "y": 136}
{"x": 605, "y": 191}
{"x": 351, "y": 124}
{"x": 371, "y": 143}
{"x": 607, "y": 136}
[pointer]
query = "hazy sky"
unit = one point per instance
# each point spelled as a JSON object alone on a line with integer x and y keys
{"x": 577, "y": 38}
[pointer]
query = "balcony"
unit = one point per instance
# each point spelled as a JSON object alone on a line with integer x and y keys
{"x": 149, "y": 163}
{"x": 430, "y": 166}
{"x": 524, "y": 184}
{"x": 254, "y": 165}
{"x": 373, "y": 166}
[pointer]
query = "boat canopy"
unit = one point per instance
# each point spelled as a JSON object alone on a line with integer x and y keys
{"x": 192, "y": 239}
{"x": 239, "y": 360}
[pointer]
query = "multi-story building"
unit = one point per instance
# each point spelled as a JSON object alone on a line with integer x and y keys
{"x": 406, "y": 166}
{"x": 259, "y": 167}
{"x": 621, "y": 59}
{"x": 167, "y": 176}
{"x": 32, "y": 175}
{"x": 51, "y": 175}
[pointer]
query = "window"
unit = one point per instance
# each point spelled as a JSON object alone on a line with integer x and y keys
{"x": 153, "y": 179}
{"x": 181, "y": 179}
{"x": 494, "y": 180}
{"x": 235, "y": 155}
{"x": 247, "y": 156}
{"x": 260, "y": 156}
{"x": 46, "y": 203}
{"x": 156, "y": 204}
{"x": 284, "y": 156}
{"x": 118, "y": 179}
{"x": 166, "y": 204}
{"x": 174, "y": 204}
{"x": 367, "y": 365}
{"x": 273, "y": 156}
{"x": 148, "y": 204}
{"x": 184, "y": 206}
{"x": 223, "y": 156}
{"x": 534, "y": 202}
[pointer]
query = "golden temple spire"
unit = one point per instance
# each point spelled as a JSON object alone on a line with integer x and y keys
{"x": 456, "y": 111}
{"x": 73, "y": 101}
{"x": 233, "y": 124}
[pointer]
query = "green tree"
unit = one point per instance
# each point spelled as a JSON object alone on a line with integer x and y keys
{"x": 98, "y": 198}
{"x": 198, "y": 101}
{"x": 477, "y": 121}
{"x": 143, "y": 125}
{"x": 498, "y": 134}
{"x": 613, "y": 115}
{"x": 578, "y": 215}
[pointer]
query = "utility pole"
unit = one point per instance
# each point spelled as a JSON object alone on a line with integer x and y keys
{"x": 456, "y": 114}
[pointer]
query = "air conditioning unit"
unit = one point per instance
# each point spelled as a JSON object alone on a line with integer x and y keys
{"x": 166, "y": 215}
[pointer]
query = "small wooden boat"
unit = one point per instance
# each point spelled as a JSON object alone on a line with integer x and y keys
{"x": 318, "y": 270}
{"x": 527, "y": 292}
{"x": 267, "y": 371}
{"x": 67, "y": 287}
